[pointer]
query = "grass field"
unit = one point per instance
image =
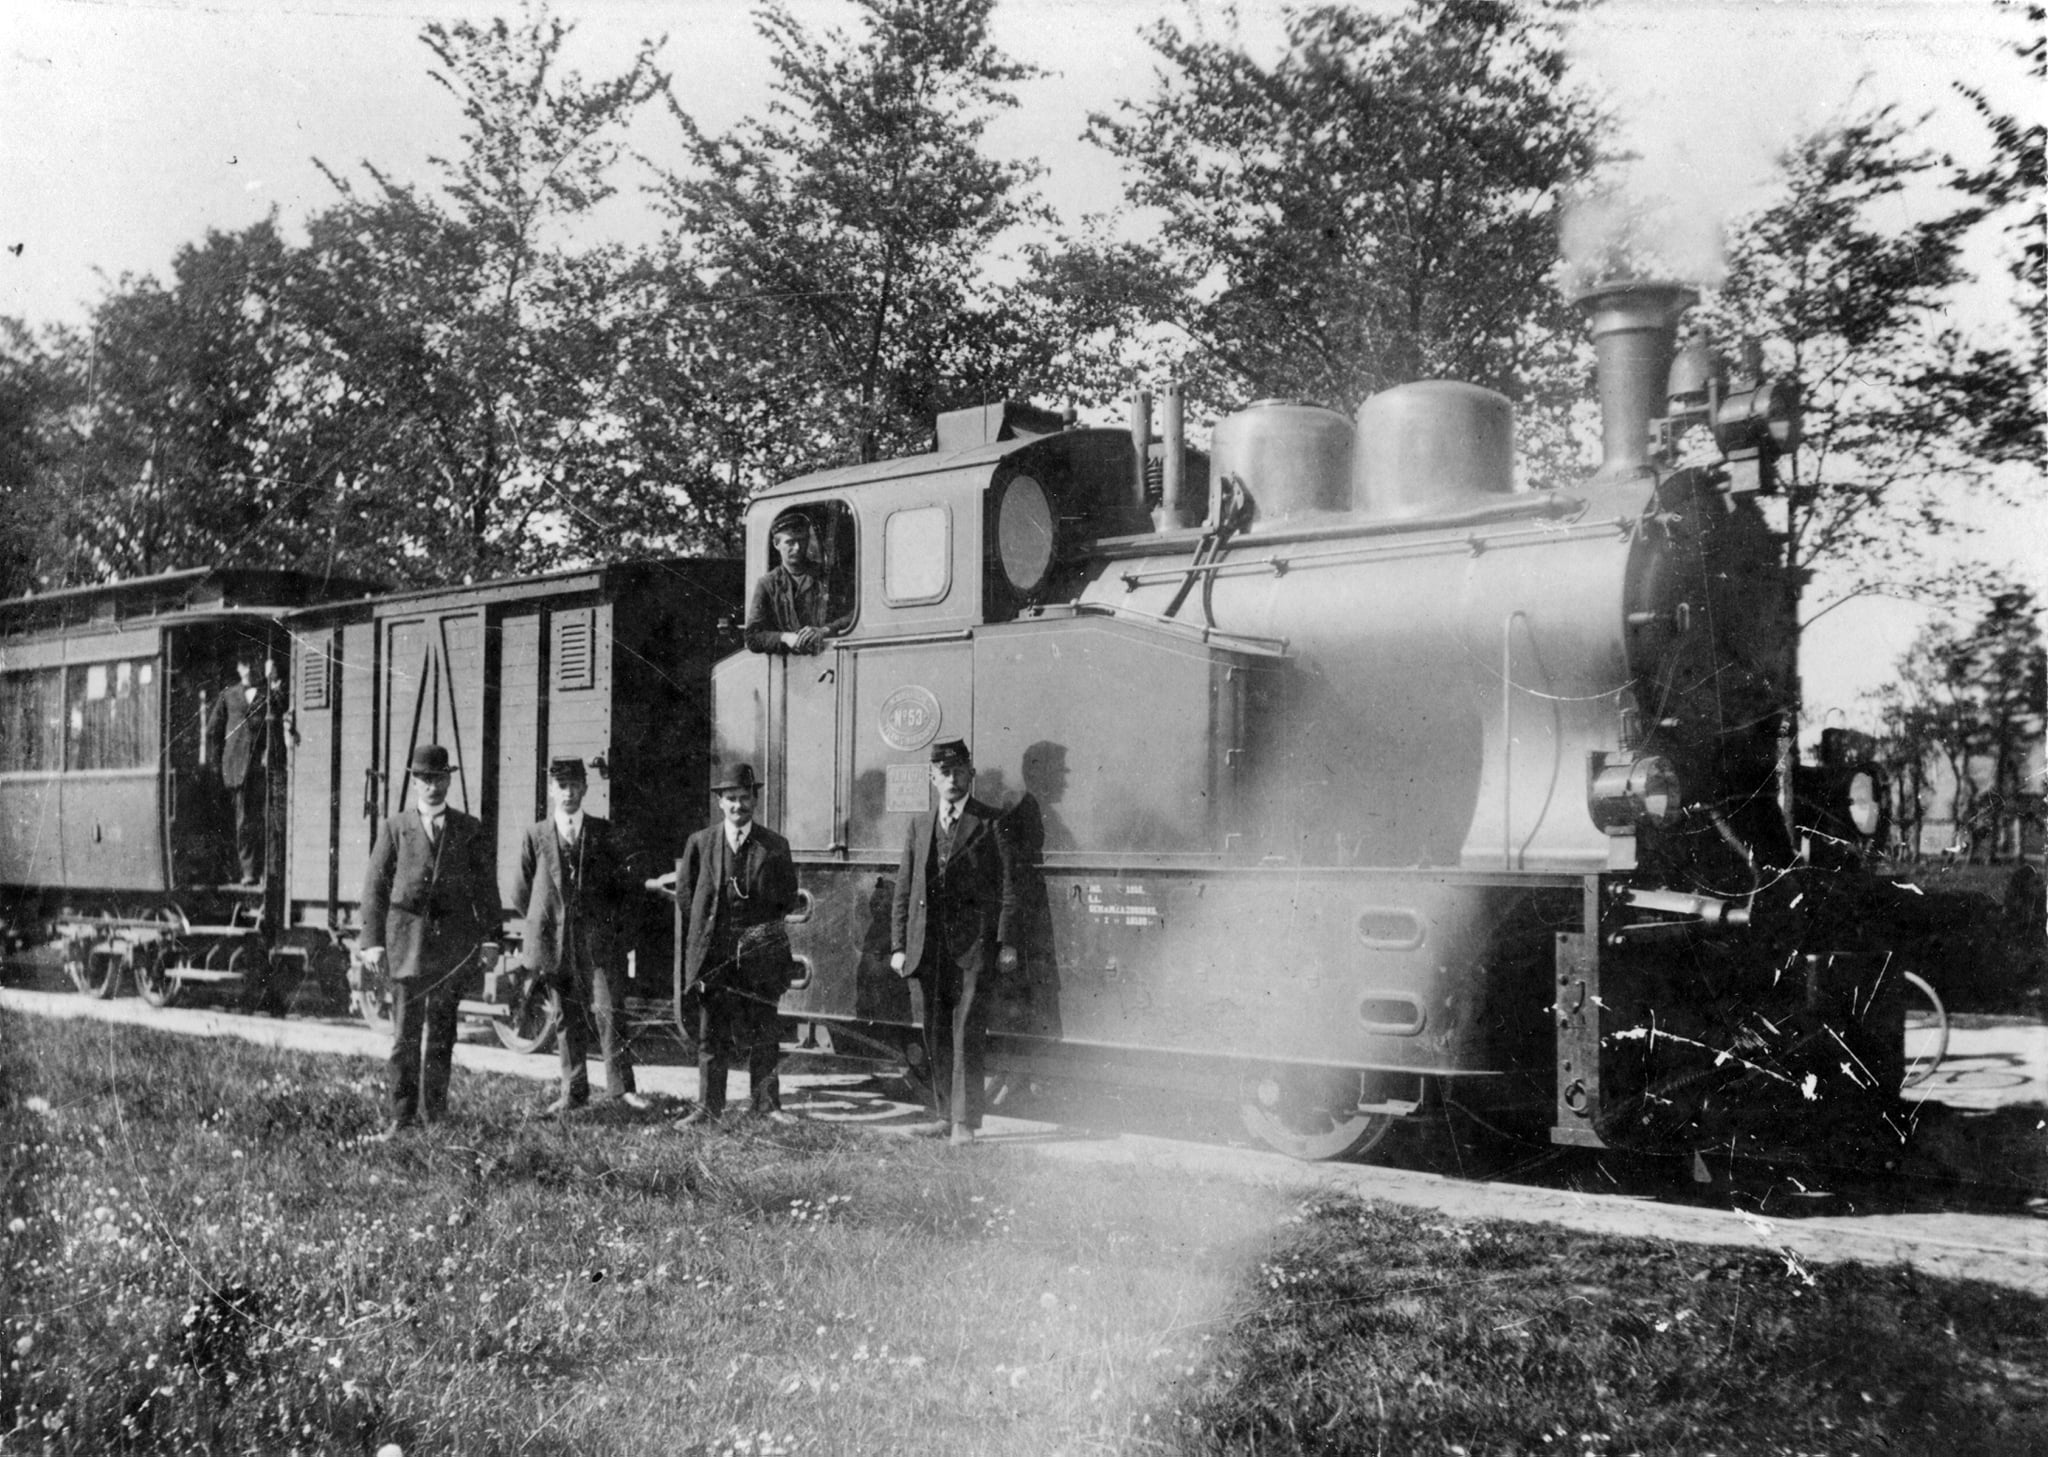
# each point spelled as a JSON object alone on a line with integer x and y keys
{"x": 199, "y": 1252}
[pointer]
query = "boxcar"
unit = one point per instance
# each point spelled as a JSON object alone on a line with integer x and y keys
{"x": 610, "y": 665}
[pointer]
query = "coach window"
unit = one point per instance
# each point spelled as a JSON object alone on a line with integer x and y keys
{"x": 32, "y": 722}
{"x": 111, "y": 715}
{"x": 917, "y": 555}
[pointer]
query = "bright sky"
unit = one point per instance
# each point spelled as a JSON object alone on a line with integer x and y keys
{"x": 128, "y": 127}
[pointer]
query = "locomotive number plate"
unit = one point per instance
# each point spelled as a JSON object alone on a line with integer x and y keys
{"x": 909, "y": 718}
{"x": 1122, "y": 903}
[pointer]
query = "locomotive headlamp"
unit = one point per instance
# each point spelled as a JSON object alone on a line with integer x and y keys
{"x": 1625, "y": 791}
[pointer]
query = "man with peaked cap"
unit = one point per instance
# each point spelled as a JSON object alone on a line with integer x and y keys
{"x": 572, "y": 889}
{"x": 739, "y": 882}
{"x": 791, "y": 609}
{"x": 953, "y": 923}
{"x": 430, "y": 900}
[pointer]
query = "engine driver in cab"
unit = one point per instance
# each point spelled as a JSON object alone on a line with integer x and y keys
{"x": 791, "y": 609}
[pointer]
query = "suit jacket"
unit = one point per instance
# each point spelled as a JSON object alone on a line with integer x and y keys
{"x": 238, "y": 731}
{"x": 779, "y": 604}
{"x": 430, "y": 905}
{"x": 766, "y": 876}
{"x": 540, "y": 895}
{"x": 980, "y": 884}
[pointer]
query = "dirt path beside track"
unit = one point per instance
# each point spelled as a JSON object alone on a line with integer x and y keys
{"x": 2008, "y": 1249}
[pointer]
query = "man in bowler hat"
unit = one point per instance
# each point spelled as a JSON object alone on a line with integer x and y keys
{"x": 953, "y": 922}
{"x": 739, "y": 882}
{"x": 430, "y": 900}
{"x": 241, "y": 729}
{"x": 572, "y": 888}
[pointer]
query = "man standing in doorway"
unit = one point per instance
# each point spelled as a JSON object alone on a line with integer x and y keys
{"x": 239, "y": 734}
{"x": 430, "y": 900}
{"x": 739, "y": 881}
{"x": 954, "y": 921}
{"x": 572, "y": 889}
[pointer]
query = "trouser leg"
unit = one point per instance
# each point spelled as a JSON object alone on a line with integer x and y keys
{"x": 438, "y": 1060}
{"x": 408, "y": 1027}
{"x": 249, "y": 801}
{"x": 941, "y": 1001}
{"x": 572, "y": 1041}
{"x": 713, "y": 1055}
{"x": 968, "y": 1051}
{"x": 764, "y": 1054}
{"x": 608, "y": 1011}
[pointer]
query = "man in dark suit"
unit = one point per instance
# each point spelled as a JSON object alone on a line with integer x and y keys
{"x": 739, "y": 882}
{"x": 954, "y": 921}
{"x": 572, "y": 889}
{"x": 430, "y": 900}
{"x": 240, "y": 728}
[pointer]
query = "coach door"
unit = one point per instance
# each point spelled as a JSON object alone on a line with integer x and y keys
{"x": 434, "y": 694}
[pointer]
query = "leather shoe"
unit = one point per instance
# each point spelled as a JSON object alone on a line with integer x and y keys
{"x": 961, "y": 1134}
{"x": 927, "y": 1130}
{"x": 390, "y": 1131}
{"x": 777, "y": 1116}
{"x": 697, "y": 1117}
{"x": 561, "y": 1105}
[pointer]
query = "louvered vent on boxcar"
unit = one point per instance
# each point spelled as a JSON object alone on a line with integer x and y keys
{"x": 316, "y": 674}
{"x": 575, "y": 656}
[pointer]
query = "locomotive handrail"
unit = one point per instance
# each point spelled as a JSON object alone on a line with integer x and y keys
{"x": 1546, "y": 503}
{"x": 1276, "y": 646}
{"x": 1273, "y": 564}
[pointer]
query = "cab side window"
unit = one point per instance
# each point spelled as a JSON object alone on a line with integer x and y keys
{"x": 917, "y": 555}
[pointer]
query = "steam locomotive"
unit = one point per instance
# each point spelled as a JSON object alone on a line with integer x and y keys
{"x": 1350, "y": 767}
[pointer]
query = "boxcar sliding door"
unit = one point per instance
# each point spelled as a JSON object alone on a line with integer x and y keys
{"x": 434, "y": 694}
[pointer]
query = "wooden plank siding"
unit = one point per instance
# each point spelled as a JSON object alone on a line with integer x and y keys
{"x": 522, "y": 794}
{"x": 314, "y": 785}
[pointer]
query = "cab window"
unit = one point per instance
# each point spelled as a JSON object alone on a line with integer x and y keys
{"x": 917, "y": 555}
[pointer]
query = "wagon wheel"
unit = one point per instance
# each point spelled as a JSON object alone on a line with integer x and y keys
{"x": 373, "y": 997}
{"x": 157, "y": 974}
{"x": 97, "y": 969}
{"x": 1926, "y": 1030}
{"x": 536, "y": 1019}
{"x": 1310, "y": 1113}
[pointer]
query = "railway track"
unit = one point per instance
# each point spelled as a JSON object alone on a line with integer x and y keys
{"x": 1972, "y": 1207}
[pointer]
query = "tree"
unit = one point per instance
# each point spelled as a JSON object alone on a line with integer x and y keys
{"x": 159, "y": 449}
{"x": 1851, "y": 305}
{"x": 1975, "y": 702}
{"x": 1994, "y": 389}
{"x": 465, "y": 363}
{"x": 32, "y": 399}
{"x": 1380, "y": 205}
{"x": 826, "y": 261}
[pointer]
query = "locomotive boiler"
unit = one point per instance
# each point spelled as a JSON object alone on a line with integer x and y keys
{"x": 1349, "y": 764}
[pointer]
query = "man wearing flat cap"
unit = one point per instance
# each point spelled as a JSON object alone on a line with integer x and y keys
{"x": 572, "y": 889}
{"x": 739, "y": 882}
{"x": 791, "y": 609}
{"x": 953, "y": 924}
{"x": 430, "y": 900}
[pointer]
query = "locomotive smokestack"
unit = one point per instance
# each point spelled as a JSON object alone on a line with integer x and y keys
{"x": 1141, "y": 454}
{"x": 1635, "y": 328}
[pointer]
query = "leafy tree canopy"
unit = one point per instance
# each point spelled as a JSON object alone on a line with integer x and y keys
{"x": 826, "y": 259}
{"x": 1379, "y": 205}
